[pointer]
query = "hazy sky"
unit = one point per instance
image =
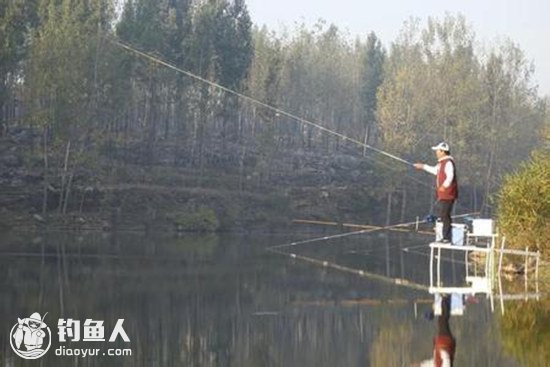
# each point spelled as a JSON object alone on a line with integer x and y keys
{"x": 526, "y": 22}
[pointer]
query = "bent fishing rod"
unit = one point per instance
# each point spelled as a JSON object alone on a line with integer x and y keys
{"x": 253, "y": 100}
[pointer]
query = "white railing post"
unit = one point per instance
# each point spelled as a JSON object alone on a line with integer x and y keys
{"x": 431, "y": 266}
{"x": 525, "y": 270}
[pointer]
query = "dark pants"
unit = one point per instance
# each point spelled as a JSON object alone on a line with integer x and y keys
{"x": 445, "y": 207}
{"x": 443, "y": 320}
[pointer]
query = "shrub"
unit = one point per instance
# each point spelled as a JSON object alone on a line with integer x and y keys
{"x": 524, "y": 205}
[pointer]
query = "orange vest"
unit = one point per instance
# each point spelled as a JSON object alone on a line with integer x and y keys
{"x": 451, "y": 192}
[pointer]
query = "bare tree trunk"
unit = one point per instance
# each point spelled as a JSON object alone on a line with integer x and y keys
{"x": 42, "y": 276}
{"x": 46, "y": 183}
{"x": 475, "y": 198}
{"x": 194, "y": 139}
{"x": 403, "y": 205}
{"x": 67, "y": 192}
{"x": 366, "y": 139}
{"x": 493, "y": 149}
{"x": 240, "y": 121}
{"x": 64, "y": 175}
{"x": 151, "y": 119}
{"x": 95, "y": 101}
{"x": 82, "y": 202}
{"x": 60, "y": 281}
{"x": 3, "y": 93}
{"x": 388, "y": 209}
{"x": 167, "y": 116}
{"x": 241, "y": 167}
{"x": 387, "y": 256}
{"x": 488, "y": 181}
{"x": 201, "y": 131}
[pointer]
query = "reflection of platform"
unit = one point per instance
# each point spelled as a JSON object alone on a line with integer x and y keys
{"x": 457, "y": 305}
{"x": 480, "y": 260}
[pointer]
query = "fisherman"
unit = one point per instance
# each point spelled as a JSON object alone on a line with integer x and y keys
{"x": 446, "y": 185}
{"x": 29, "y": 331}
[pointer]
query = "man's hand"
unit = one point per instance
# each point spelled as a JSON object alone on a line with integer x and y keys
{"x": 441, "y": 188}
{"x": 419, "y": 166}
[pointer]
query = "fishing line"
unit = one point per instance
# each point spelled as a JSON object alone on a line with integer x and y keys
{"x": 356, "y": 226}
{"x": 394, "y": 168}
{"x": 189, "y": 74}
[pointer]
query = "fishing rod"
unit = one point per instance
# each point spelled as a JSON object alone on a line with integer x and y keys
{"x": 243, "y": 96}
{"x": 364, "y": 231}
{"x": 352, "y": 225}
{"x": 363, "y": 302}
{"x": 424, "y": 254}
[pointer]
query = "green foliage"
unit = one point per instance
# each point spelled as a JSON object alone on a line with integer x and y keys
{"x": 62, "y": 73}
{"x": 17, "y": 19}
{"x": 162, "y": 26}
{"x": 200, "y": 220}
{"x": 524, "y": 204}
{"x": 525, "y": 330}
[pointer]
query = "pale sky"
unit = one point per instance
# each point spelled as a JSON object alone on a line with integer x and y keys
{"x": 526, "y": 22}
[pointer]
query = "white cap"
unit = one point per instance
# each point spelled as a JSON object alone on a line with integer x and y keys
{"x": 442, "y": 146}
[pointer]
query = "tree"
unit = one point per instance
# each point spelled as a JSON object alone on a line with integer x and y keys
{"x": 61, "y": 78}
{"x": 372, "y": 77}
{"x": 17, "y": 18}
{"x": 234, "y": 50}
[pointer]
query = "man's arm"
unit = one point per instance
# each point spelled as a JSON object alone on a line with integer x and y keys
{"x": 427, "y": 168}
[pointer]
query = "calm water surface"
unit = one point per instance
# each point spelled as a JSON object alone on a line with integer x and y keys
{"x": 225, "y": 301}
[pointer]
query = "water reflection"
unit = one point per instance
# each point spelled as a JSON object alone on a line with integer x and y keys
{"x": 211, "y": 301}
{"x": 444, "y": 341}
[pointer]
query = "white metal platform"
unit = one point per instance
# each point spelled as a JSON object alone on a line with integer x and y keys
{"x": 482, "y": 272}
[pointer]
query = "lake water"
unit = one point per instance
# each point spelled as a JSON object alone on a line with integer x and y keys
{"x": 226, "y": 301}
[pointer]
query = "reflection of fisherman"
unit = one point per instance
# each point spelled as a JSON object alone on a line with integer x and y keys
{"x": 30, "y": 332}
{"x": 444, "y": 342}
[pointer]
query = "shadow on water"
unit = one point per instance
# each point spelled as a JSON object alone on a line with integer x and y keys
{"x": 225, "y": 301}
